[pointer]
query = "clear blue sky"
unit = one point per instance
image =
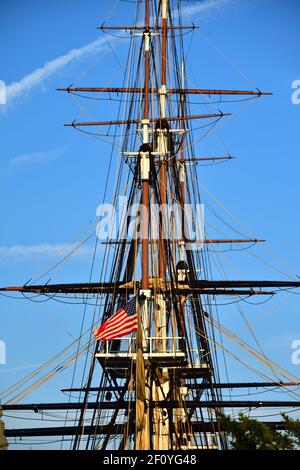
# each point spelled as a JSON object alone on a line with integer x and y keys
{"x": 52, "y": 178}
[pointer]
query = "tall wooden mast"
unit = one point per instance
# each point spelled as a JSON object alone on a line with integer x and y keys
{"x": 161, "y": 425}
{"x": 145, "y": 155}
{"x": 142, "y": 439}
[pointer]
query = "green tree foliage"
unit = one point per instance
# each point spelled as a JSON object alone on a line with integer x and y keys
{"x": 292, "y": 429}
{"x": 250, "y": 434}
{"x": 3, "y": 440}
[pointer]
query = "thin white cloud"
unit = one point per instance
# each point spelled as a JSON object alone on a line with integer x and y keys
{"x": 37, "y": 157}
{"x": 42, "y": 249}
{"x": 37, "y": 78}
{"x": 198, "y": 7}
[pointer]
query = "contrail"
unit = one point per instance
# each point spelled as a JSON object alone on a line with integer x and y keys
{"x": 37, "y": 77}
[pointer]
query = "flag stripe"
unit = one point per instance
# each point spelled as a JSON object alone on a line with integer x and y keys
{"x": 122, "y": 328}
{"x": 122, "y": 323}
{"x": 116, "y": 316}
{"x": 117, "y": 334}
{"x": 119, "y": 325}
{"x": 117, "y": 330}
{"x": 109, "y": 322}
{"x": 115, "y": 321}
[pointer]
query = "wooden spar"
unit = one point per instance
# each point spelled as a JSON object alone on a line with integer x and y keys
{"x": 143, "y": 28}
{"x": 230, "y": 292}
{"x": 124, "y": 404}
{"x": 202, "y": 386}
{"x": 206, "y": 286}
{"x": 205, "y": 159}
{"x": 117, "y": 429}
{"x": 179, "y": 160}
{"x": 141, "y": 121}
{"x": 246, "y": 385}
{"x": 205, "y": 242}
{"x": 225, "y": 240}
{"x": 170, "y": 91}
{"x": 282, "y": 284}
{"x": 91, "y": 289}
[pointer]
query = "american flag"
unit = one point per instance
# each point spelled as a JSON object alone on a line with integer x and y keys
{"x": 123, "y": 322}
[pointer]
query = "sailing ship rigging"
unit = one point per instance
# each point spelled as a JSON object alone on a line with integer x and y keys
{"x": 158, "y": 388}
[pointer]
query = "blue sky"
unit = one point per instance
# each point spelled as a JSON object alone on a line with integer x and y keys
{"x": 52, "y": 178}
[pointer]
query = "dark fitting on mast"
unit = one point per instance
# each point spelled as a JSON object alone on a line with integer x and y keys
{"x": 145, "y": 148}
{"x": 182, "y": 271}
{"x": 162, "y": 124}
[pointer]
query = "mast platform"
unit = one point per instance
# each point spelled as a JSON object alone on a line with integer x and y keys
{"x": 158, "y": 351}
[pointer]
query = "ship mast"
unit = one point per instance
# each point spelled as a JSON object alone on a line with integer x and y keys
{"x": 142, "y": 438}
{"x": 161, "y": 423}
